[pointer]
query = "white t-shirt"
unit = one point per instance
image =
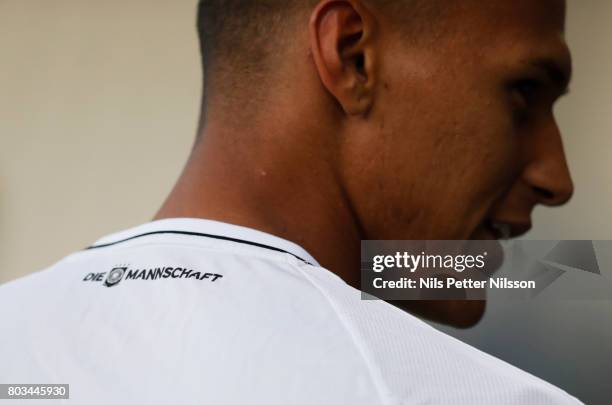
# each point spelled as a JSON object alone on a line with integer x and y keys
{"x": 189, "y": 311}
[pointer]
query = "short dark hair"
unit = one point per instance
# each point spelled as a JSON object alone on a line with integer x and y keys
{"x": 237, "y": 32}
{"x": 235, "y": 35}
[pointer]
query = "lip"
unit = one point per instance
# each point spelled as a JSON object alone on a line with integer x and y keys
{"x": 514, "y": 229}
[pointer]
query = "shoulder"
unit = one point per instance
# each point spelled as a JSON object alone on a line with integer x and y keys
{"x": 308, "y": 311}
{"x": 417, "y": 363}
{"x": 263, "y": 309}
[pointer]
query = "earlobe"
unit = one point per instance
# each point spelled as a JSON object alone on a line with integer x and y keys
{"x": 343, "y": 51}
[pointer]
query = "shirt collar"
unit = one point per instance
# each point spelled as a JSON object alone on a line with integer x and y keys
{"x": 206, "y": 227}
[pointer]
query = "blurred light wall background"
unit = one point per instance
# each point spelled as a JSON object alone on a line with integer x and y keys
{"x": 98, "y": 107}
{"x": 99, "y": 102}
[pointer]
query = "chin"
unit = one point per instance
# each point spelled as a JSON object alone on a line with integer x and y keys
{"x": 461, "y": 314}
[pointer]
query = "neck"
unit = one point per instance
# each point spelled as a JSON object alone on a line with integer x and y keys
{"x": 265, "y": 182}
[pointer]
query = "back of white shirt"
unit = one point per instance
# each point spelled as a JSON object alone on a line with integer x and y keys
{"x": 186, "y": 311}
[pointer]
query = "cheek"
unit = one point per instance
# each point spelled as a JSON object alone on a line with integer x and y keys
{"x": 449, "y": 165}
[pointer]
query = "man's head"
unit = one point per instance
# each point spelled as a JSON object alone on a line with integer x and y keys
{"x": 441, "y": 111}
{"x": 414, "y": 119}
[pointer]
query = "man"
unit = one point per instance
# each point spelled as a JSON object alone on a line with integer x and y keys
{"x": 324, "y": 122}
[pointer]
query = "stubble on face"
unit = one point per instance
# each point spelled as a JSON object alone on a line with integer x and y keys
{"x": 443, "y": 148}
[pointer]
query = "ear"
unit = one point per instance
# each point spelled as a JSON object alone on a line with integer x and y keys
{"x": 341, "y": 33}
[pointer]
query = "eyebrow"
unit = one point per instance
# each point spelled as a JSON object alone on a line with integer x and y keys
{"x": 558, "y": 73}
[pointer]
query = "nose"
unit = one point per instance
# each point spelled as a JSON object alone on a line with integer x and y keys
{"x": 547, "y": 172}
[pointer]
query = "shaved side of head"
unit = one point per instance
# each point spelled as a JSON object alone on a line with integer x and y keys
{"x": 240, "y": 39}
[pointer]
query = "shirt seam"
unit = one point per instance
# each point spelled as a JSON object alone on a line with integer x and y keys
{"x": 235, "y": 249}
{"x": 373, "y": 369}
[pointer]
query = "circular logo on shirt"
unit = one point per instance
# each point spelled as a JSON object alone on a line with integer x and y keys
{"x": 114, "y": 276}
